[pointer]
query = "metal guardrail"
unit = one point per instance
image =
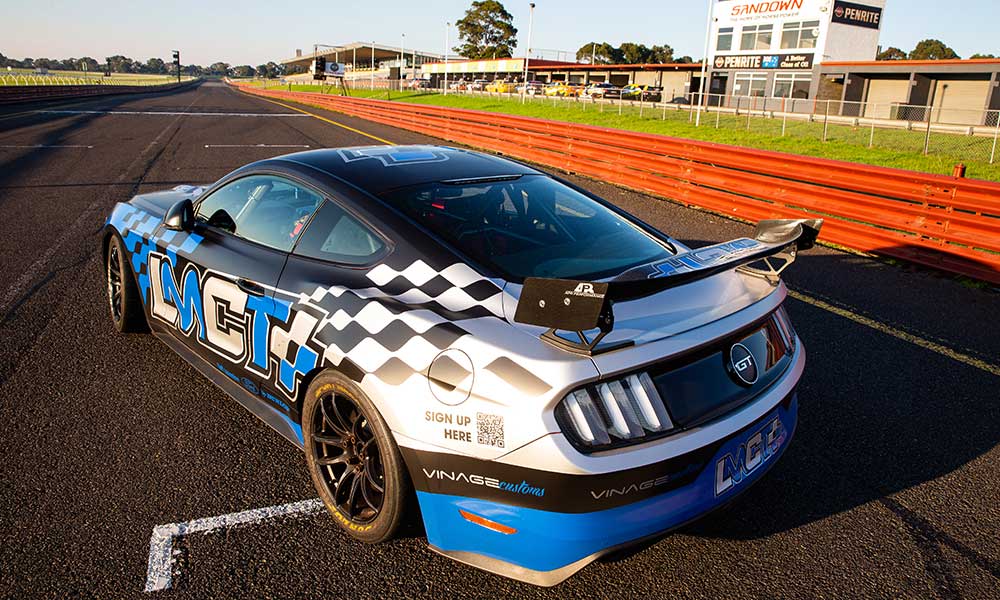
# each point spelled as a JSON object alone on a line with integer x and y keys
{"x": 31, "y": 79}
{"x": 943, "y": 222}
{"x": 16, "y": 94}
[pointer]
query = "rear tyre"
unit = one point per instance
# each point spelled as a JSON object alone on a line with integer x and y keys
{"x": 353, "y": 460}
{"x": 123, "y": 294}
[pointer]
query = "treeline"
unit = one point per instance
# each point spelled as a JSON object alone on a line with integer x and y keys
{"x": 925, "y": 50}
{"x": 628, "y": 53}
{"x": 153, "y": 66}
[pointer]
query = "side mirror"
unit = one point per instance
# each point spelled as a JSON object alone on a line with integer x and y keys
{"x": 180, "y": 216}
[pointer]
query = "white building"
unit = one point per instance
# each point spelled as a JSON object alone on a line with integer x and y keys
{"x": 774, "y": 48}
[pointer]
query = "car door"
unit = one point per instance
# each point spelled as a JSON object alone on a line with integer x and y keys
{"x": 222, "y": 303}
{"x": 332, "y": 256}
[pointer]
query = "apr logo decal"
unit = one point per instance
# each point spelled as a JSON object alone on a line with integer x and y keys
{"x": 255, "y": 332}
{"x": 733, "y": 468}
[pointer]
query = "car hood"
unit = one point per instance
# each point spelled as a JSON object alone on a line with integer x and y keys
{"x": 157, "y": 203}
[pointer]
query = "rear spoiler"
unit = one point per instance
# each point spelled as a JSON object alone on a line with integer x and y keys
{"x": 583, "y": 306}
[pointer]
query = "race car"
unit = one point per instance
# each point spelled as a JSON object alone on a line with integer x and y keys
{"x": 548, "y": 377}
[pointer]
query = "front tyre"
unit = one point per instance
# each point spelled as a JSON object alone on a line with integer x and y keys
{"x": 123, "y": 293}
{"x": 352, "y": 459}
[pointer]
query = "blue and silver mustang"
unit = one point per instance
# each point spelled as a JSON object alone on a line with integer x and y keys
{"x": 547, "y": 376}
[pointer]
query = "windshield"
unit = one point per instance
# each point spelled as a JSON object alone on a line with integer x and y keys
{"x": 529, "y": 226}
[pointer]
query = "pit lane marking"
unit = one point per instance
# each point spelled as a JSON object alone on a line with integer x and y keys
{"x": 159, "y": 572}
{"x": 45, "y": 146}
{"x": 330, "y": 121}
{"x": 163, "y": 113}
{"x": 898, "y": 334}
{"x": 256, "y": 145}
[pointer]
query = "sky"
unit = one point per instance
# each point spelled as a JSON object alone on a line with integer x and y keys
{"x": 256, "y": 31}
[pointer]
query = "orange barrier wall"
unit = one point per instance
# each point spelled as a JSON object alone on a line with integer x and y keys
{"x": 943, "y": 222}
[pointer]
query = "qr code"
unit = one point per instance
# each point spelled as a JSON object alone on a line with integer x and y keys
{"x": 489, "y": 430}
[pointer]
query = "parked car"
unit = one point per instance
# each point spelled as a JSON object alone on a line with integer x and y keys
{"x": 645, "y": 93}
{"x": 458, "y": 86}
{"x": 563, "y": 89}
{"x": 417, "y": 84}
{"x": 532, "y": 88}
{"x": 554, "y": 378}
{"x": 501, "y": 87}
{"x": 478, "y": 85}
{"x": 597, "y": 90}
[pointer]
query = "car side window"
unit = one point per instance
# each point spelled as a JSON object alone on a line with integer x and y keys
{"x": 336, "y": 236}
{"x": 266, "y": 209}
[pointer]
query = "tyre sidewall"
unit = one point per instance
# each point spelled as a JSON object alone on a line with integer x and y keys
{"x": 397, "y": 485}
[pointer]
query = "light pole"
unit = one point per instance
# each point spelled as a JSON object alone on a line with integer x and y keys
{"x": 527, "y": 50}
{"x": 704, "y": 63}
{"x": 402, "y": 55}
{"x": 372, "y": 75}
{"x": 447, "y": 31}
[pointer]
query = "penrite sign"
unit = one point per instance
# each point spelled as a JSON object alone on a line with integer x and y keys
{"x": 765, "y": 61}
{"x": 859, "y": 15}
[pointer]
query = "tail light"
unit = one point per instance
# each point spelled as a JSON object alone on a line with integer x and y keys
{"x": 612, "y": 413}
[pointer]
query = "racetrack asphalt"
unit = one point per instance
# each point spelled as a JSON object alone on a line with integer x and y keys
{"x": 888, "y": 490}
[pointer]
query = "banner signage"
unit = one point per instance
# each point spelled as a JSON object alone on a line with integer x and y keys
{"x": 765, "y": 61}
{"x": 859, "y": 15}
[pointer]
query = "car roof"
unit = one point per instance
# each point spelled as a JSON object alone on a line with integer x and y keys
{"x": 378, "y": 169}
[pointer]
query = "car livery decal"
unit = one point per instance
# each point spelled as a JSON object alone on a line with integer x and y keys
{"x": 391, "y": 330}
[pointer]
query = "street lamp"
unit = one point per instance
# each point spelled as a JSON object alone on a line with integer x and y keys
{"x": 402, "y": 55}
{"x": 704, "y": 63}
{"x": 447, "y": 31}
{"x": 527, "y": 51}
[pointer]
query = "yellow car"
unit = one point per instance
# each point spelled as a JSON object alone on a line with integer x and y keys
{"x": 561, "y": 88}
{"x": 501, "y": 87}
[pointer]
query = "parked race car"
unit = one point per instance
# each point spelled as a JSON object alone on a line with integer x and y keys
{"x": 501, "y": 87}
{"x": 478, "y": 85}
{"x": 598, "y": 90}
{"x": 532, "y": 88}
{"x": 562, "y": 89}
{"x": 547, "y": 376}
{"x": 645, "y": 93}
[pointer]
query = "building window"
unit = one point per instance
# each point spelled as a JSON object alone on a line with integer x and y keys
{"x": 792, "y": 85}
{"x": 756, "y": 37}
{"x": 799, "y": 35}
{"x": 750, "y": 84}
{"x": 725, "y": 42}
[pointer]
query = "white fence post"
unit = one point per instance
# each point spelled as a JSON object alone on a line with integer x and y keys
{"x": 996, "y": 134}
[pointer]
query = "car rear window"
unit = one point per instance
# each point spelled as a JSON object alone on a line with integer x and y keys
{"x": 529, "y": 226}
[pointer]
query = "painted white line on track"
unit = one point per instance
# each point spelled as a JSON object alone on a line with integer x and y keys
{"x": 45, "y": 146}
{"x": 36, "y": 269}
{"x": 165, "y": 113}
{"x": 159, "y": 573}
{"x": 256, "y": 145}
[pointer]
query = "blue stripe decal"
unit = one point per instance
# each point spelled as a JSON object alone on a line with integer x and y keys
{"x": 549, "y": 540}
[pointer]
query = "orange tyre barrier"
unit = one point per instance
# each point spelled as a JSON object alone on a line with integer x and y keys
{"x": 943, "y": 222}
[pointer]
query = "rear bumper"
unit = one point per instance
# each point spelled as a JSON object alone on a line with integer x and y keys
{"x": 548, "y": 545}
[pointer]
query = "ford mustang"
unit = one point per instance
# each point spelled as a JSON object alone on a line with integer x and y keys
{"x": 548, "y": 377}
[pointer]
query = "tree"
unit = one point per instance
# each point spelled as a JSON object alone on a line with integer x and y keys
{"x": 932, "y": 50}
{"x": 486, "y": 31}
{"x": 891, "y": 53}
{"x": 632, "y": 53}
{"x": 43, "y": 63}
{"x": 977, "y": 55}
{"x": 661, "y": 54}
{"x": 219, "y": 68}
{"x": 121, "y": 64}
{"x": 89, "y": 64}
{"x": 243, "y": 71}
{"x": 684, "y": 60}
{"x": 602, "y": 53}
{"x": 156, "y": 65}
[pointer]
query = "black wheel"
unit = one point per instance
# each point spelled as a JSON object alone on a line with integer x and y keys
{"x": 123, "y": 293}
{"x": 352, "y": 459}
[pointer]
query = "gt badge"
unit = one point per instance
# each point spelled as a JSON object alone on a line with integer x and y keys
{"x": 743, "y": 365}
